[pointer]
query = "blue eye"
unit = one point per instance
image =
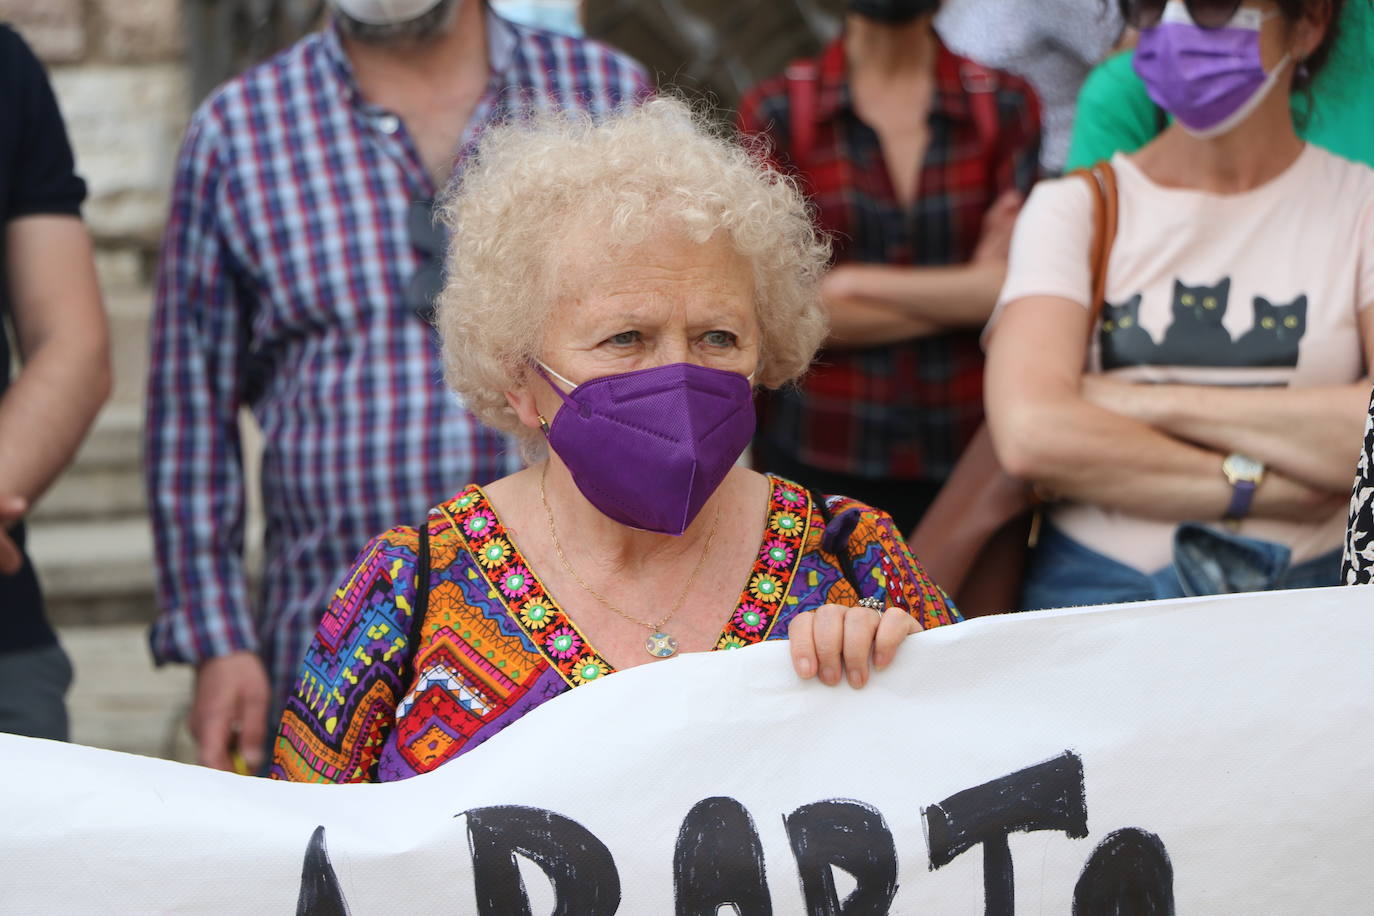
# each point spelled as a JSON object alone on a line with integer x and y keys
{"x": 719, "y": 339}
{"x": 624, "y": 339}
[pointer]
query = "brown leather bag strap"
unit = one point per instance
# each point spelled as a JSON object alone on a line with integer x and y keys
{"x": 975, "y": 522}
{"x": 1101, "y": 179}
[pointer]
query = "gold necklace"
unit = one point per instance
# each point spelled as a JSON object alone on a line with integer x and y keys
{"x": 659, "y": 644}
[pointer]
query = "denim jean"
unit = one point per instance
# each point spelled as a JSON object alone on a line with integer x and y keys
{"x": 1062, "y": 572}
{"x": 33, "y": 690}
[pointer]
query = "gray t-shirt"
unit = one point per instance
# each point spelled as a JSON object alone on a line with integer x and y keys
{"x": 1051, "y": 43}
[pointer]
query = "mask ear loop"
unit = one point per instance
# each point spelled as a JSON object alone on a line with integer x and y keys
{"x": 549, "y": 375}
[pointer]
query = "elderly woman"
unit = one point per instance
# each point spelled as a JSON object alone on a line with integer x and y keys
{"x": 616, "y": 293}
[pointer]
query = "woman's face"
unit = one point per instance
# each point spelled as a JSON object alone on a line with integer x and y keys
{"x": 666, "y": 300}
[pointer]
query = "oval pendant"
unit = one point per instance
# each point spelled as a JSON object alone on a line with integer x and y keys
{"x": 660, "y": 645}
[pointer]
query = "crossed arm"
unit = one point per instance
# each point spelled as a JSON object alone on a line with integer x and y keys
{"x": 1156, "y": 450}
{"x": 876, "y": 304}
{"x": 873, "y": 304}
{"x": 63, "y": 340}
{"x": 1311, "y": 435}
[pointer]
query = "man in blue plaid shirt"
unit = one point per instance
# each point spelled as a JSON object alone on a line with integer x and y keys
{"x": 296, "y": 271}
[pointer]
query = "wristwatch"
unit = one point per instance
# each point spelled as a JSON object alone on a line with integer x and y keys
{"x": 1244, "y": 474}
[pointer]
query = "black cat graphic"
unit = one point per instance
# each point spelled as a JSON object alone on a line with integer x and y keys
{"x": 1195, "y": 336}
{"x": 1123, "y": 341}
{"x": 1274, "y": 338}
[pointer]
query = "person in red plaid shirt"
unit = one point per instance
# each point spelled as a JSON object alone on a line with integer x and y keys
{"x": 917, "y": 161}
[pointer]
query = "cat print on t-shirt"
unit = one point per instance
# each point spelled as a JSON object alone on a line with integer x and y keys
{"x": 1124, "y": 342}
{"x": 1273, "y": 339}
{"x": 1197, "y": 336}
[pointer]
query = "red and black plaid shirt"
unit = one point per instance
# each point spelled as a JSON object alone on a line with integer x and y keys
{"x": 903, "y": 410}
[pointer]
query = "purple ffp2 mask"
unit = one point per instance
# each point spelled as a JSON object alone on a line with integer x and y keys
{"x": 649, "y": 447}
{"x": 1210, "y": 80}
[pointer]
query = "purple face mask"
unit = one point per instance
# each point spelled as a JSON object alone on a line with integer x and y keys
{"x": 649, "y": 447}
{"x": 1210, "y": 80}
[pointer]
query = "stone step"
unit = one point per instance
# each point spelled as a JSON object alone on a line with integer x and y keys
{"x": 128, "y": 311}
{"x": 90, "y": 537}
{"x": 105, "y": 480}
{"x": 119, "y": 700}
{"x": 95, "y": 572}
{"x": 92, "y": 494}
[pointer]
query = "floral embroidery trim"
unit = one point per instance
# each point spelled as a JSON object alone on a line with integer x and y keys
{"x": 790, "y": 519}
{"x": 789, "y": 522}
{"x": 520, "y": 591}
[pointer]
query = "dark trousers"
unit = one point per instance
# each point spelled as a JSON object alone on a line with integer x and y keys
{"x": 33, "y": 690}
{"x": 905, "y": 500}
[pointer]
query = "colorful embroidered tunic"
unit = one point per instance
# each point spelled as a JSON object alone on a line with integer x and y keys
{"x": 495, "y": 644}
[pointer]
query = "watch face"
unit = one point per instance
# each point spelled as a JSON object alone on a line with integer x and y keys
{"x": 1243, "y": 468}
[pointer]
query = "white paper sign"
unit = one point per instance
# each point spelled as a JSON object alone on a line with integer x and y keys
{"x": 1212, "y": 756}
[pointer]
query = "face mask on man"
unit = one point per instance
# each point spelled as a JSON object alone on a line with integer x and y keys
{"x": 649, "y": 447}
{"x": 1210, "y": 80}
{"x": 385, "y": 12}
{"x": 892, "y": 12}
{"x": 549, "y": 15}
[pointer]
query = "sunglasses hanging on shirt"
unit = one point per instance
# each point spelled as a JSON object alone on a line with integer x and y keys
{"x": 429, "y": 240}
{"x": 1207, "y": 14}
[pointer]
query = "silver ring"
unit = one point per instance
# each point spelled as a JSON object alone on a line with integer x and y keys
{"x": 872, "y": 603}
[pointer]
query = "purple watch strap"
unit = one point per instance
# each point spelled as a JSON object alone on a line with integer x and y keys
{"x": 1242, "y": 494}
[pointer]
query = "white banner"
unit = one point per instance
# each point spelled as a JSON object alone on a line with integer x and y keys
{"x": 1212, "y": 755}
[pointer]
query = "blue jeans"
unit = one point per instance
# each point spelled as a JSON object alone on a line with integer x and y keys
{"x": 1062, "y": 572}
{"x": 33, "y": 690}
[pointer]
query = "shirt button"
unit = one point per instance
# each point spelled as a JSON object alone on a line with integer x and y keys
{"x": 388, "y": 124}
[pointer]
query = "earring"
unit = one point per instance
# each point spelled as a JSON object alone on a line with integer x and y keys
{"x": 543, "y": 424}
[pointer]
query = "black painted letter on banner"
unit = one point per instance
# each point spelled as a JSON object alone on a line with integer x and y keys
{"x": 848, "y": 835}
{"x": 718, "y": 861}
{"x": 320, "y": 892}
{"x": 580, "y": 867}
{"x": 1128, "y": 874}
{"x": 1047, "y": 796}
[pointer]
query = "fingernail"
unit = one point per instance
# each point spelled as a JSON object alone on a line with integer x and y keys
{"x": 806, "y": 667}
{"x": 856, "y": 680}
{"x": 830, "y": 675}
{"x": 879, "y": 660}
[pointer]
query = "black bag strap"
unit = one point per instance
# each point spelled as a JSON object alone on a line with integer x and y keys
{"x": 837, "y": 542}
{"x": 419, "y": 608}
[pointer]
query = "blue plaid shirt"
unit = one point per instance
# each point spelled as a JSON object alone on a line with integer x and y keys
{"x": 281, "y": 287}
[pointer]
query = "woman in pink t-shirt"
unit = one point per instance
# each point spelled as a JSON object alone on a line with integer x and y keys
{"x": 1201, "y": 437}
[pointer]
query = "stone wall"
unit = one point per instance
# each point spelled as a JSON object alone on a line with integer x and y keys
{"x": 119, "y": 68}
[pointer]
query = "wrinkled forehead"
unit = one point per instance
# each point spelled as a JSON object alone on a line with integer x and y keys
{"x": 593, "y": 257}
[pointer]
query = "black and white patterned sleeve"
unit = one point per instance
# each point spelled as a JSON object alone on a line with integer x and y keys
{"x": 1358, "y": 568}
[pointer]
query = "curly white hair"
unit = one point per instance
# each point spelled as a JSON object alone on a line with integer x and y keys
{"x": 628, "y": 175}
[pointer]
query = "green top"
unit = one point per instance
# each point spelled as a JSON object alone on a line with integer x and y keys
{"x": 1116, "y": 114}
